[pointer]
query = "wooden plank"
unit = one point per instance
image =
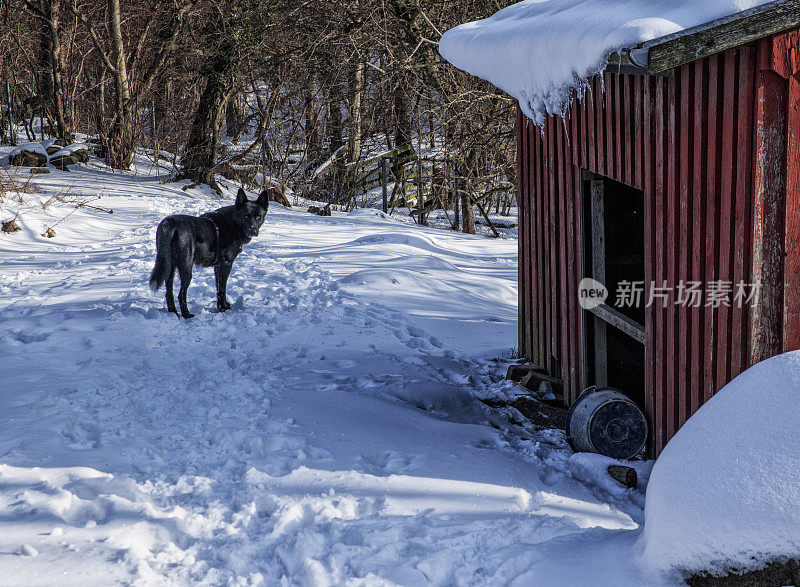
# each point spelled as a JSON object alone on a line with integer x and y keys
{"x": 546, "y": 235}
{"x": 608, "y": 111}
{"x": 727, "y": 194}
{"x": 618, "y": 97}
{"x": 685, "y": 161}
{"x": 585, "y": 271}
{"x": 699, "y": 197}
{"x": 531, "y": 245}
{"x": 599, "y": 117}
{"x": 562, "y": 147}
{"x": 552, "y": 232}
{"x": 574, "y": 114}
{"x": 742, "y": 208}
{"x": 784, "y": 55}
{"x": 713, "y": 173}
{"x": 523, "y": 245}
{"x": 539, "y": 230}
{"x": 727, "y": 35}
{"x": 599, "y": 274}
{"x": 671, "y": 244}
{"x": 591, "y": 128}
{"x": 645, "y": 137}
{"x": 659, "y": 194}
{"x": 638, "y": 116}
{"x": 769, "y": 154}
{"x": 573, "y": 270}
{"x": 583, "y": 117}
{"x": 791, "y": 285}
{"x": 617, "y": 319}
{"x": 628, "y": 132}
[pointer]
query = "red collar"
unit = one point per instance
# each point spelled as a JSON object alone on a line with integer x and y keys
{"x": 216, "y": 230}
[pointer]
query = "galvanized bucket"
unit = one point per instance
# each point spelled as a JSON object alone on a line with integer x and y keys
{"x": 605, "y": 421}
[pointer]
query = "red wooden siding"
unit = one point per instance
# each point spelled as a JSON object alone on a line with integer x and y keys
{"x": 715, "y": 147}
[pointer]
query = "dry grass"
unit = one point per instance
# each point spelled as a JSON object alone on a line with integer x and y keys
{"x": 14, "y": 183}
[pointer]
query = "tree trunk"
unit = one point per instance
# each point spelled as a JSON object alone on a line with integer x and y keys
{"x": 201, "y": 150}
{"x": 64, "y": 126}
{"x": 467, "y": 213}
{"x": 402, "y": 115}
{"x": 312, "y": 130}
{"x": 356, "y": 116}
{"x": 119, "y": 145}
{"x": 235, "y": 116}
{"x": 335, "y": 124}
{"x": 100, "y": 112}
{"x": 354, "y": 131}
{"x": 335, "y": 134}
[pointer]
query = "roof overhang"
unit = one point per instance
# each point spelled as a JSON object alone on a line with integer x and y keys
{"x": 660, "y": 56}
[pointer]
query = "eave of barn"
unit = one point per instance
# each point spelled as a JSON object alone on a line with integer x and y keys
{"x": 675, "y": 138}
{"x": 665, "y": 53}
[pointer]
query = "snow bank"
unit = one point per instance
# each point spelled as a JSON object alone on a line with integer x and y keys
{"x": 540, "y": 50}
{"x": 725, "y": 493}
{"x": 30, "y": 148}
{"x": 70, "y": 149}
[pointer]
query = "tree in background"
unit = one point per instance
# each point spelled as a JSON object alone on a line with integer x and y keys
{"x": 308, "y": 89}
{"x": 132, "y": 74}
{"x": 232, "y": 35}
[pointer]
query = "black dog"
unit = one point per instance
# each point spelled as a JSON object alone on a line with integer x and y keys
{"x": 214, "y": 239}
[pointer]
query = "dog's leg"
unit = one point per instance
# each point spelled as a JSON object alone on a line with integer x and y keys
{"x": 170, "y": 298}
{"x": 185, "y": 271}
{"x": 221, "y": 273}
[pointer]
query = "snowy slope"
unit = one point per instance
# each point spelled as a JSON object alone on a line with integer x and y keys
{"x": 540, "y": 50}
{"x": 724, "y": 492}
{"x": 324, "y": 431}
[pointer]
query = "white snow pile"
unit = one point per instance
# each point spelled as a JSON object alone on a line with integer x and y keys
{"x": 70, "y": 149}
{"x": 30, "y": 148}
{"x": 540, "y": 50}
{"x": 724, "y": 494}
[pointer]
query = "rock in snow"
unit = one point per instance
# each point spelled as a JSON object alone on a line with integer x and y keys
{"x": 724, "y": 493}
{"x": 540, "y": 50}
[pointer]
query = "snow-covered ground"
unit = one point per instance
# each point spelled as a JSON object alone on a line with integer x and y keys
{"x": 327, "y": 430}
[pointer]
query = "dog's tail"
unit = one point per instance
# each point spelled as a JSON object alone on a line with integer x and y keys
{"x": 164, "y": 235}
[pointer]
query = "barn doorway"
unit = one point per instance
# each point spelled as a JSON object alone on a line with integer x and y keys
{"x": 613, "y": 254}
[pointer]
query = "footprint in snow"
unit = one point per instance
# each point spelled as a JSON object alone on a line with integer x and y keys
{"x": 81, "y": 436}
{"x": 386, "y": 463}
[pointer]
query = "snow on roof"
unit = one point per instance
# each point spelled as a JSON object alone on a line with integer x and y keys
{"x": 540, "y": 50}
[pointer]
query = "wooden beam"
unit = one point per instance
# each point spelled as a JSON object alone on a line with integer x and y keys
{"x": 619, "y": 320}
{"x": 791, "y": 249}
{"x": 731, "y": 33}
{"x": 769, "y": 208}
{"x": 599, "y": 274}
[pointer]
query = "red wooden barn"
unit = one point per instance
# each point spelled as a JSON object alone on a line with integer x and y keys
{"x": 679, "y": 165}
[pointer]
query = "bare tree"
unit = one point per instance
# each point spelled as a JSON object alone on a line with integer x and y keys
{"x": 129, "y": 92}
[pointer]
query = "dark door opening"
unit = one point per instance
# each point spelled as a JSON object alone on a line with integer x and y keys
{"x": 613, "y": 254}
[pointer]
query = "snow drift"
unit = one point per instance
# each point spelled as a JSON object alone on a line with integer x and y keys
{"x": 724, "y": 493}
{"x": 540, "y": 50}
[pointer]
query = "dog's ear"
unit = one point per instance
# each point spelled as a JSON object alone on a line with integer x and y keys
{"x": 263, "y": 199}
{"x": 241, "y": 198}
